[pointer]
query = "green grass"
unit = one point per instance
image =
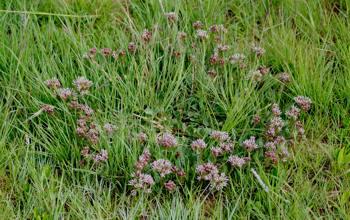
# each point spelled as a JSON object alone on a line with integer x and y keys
{"x": 151, "y": 91}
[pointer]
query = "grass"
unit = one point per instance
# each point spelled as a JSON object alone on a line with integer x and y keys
{"x": 151, "y": 91}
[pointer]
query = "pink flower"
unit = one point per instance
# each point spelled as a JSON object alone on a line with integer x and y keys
{"x": 279, "y": 140}
{"x": 202, "y": 35}
{"x": 109, "y": 128}
{"x": 132, "y": 47}
{"x": 85, "y": 152}
{"x": 167, "y": 140}
{"x": 237, "y": 58}
{"x": 272, "y": 156}
{"x": 53, "y": 83}
{"x": 92, "y": 135}
{"x": 236, "y": 161}
{"x": 270, "y": 145}
{"x": 277, "y": 123}
{"x": 182, "y": 35}
{"x": 146, "y": 36}
{"x": 250, "y": 144}
{"x": 264, "y": 70}
{"x": 214, "y": 59}
{"x": 303, "y": 102}
{"x": 219, "y": 135}
{"x": 170, "y": 185}
{"x": 106, "y": 51}
{"x": 48, "y": 108}
{"x": 91, "y": 53}
{"x": 256, "y": 119}
{"x": 143, "y": 160}
{"x": 276, "y": 111}
{"x": 259, "y": 51}
{"x": 300, "y": 128}
{"x": 197, "y": 25}
{"x": 206, "y": 171}
{"x": 223, "y": 47}
{"x": 217, "y": 28}
{"x": 293, "y": 113}
{"x": 284, "y": 77}
{"x": 64, "y": 93}
{"x": 163, "y": 167}
{"x": 218, "y": 182}
{"x": 82, "y": 84}
{"x": 226, "y": 146}
{"x": 88, "y": 111}
{"x": 141, "y": 182}
{"x": 198, "y": 144}
{"x": 142, "y": 137}
{"x": 216, "y": 151}
{"x": 101, "y": 157}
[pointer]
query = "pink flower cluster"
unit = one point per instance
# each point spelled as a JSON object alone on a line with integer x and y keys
{"x": 219, "y": 136}
{"x": 210, "y": 172}
{"x": 198, "y": 145}
{"x": 236, "y": 161}
{"x": 303, "y": 102}
{"x": 166, "y": 140}
{"x": 102, "y": 156}
{"x": 163, "y": 167}
{"x": 141, "y": 181}
{"x": 82, "y": 85}
{"x": 250, "y": 144}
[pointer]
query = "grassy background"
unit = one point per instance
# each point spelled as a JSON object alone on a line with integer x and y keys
{"x": 39, "y": 173}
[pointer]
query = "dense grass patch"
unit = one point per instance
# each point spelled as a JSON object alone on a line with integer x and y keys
{"x": 176, "y": 86}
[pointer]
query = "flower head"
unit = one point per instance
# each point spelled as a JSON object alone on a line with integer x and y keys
{"x": 163, "y": 167}
{"x": 109, "y": 128}
{"x": 82, "y": 84}
{"x": 284, "y": 77}
{"x": 146, "y": 35}
{"x": 218, "y": 182}
{"x": 216, "y": 151}
{"x": 143, "y": 160}
{"x": 303, "y": 102}
{"x": 48, "y": 108}
{"x": 250, "y": 144}
{"x": 53, "y": 83}
{"x": 219, "y": 136}
{"x": 132, "y": 47}
{"x": 259, "y": 51}
{"x": 101, "y": 157}
{"x": 170, "y": 185}
{"x": 226, "y": 146}
{"x": 182, "y": 35}
{"x": 236, "y": 161}
{"x": 198, "y": 144}
{"x": 64, "y": 93}
{"x": 202, "y": 35}
{"x": 237, "y": 58}
{"x": 167, "y": 140}
{"x": 141, "y": 181}
{"x": 197, "y": 25}
{"x": 276, "y": 111}
{"x": 293, "y": 113}
{"x": 85, "y": 152}
{"x": 142, "y": 137}
{"x": 106, "y": 51}
{"x": 206, "y": 171}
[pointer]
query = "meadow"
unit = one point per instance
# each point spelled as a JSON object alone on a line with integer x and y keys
{"x": 209, "y": 109}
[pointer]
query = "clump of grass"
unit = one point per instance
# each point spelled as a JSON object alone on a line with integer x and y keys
{"x": 117, "y": 109}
